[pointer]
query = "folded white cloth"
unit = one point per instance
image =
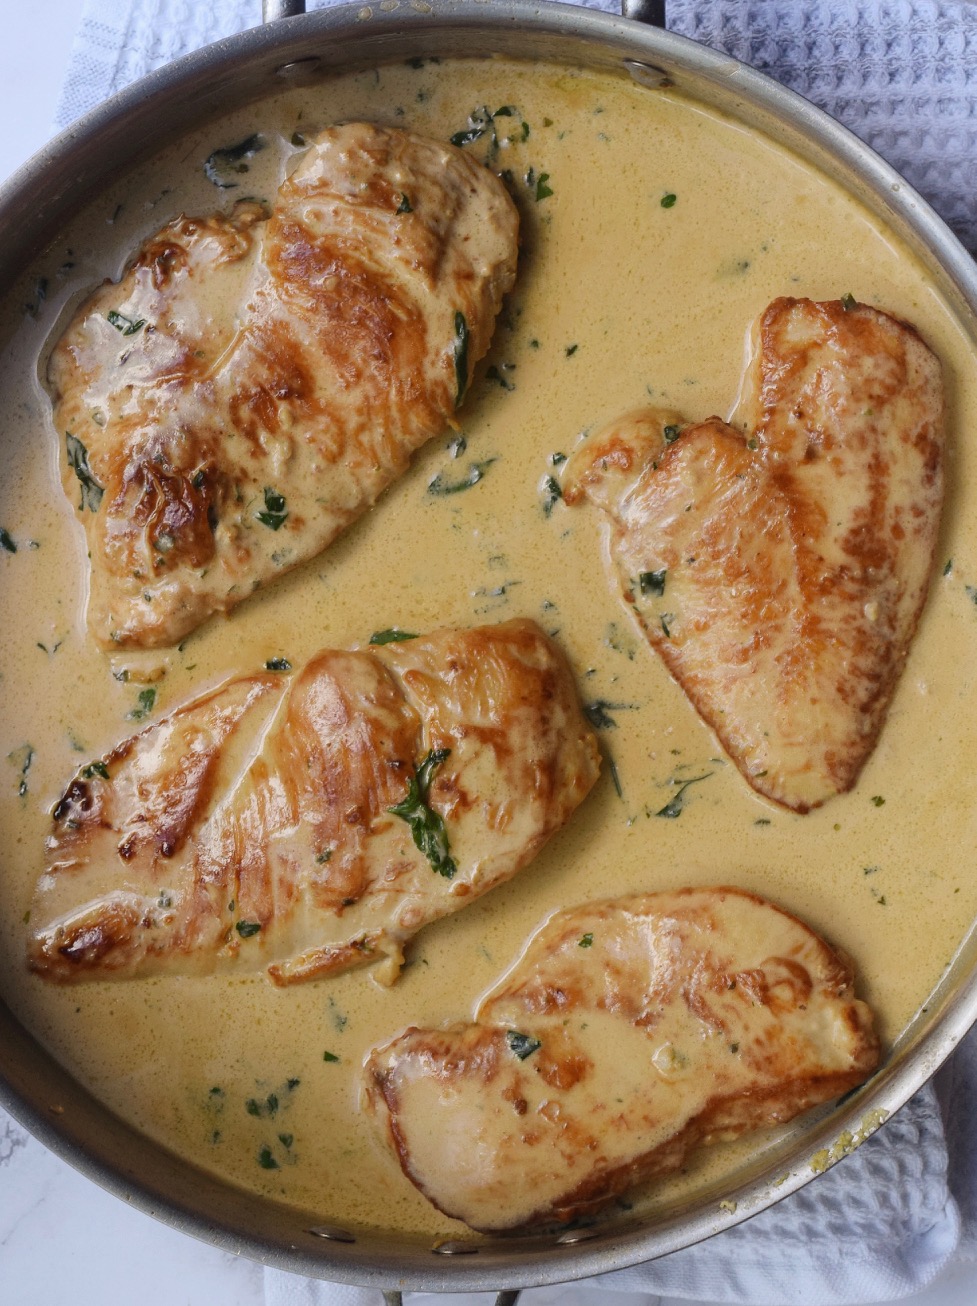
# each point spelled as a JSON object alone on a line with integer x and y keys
{"x": 902, "y": 74}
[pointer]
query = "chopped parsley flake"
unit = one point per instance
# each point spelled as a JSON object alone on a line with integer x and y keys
{"x": 91, "y": 491}
{"x": 652, "y": 582}
{"x": 459, "y": 346}
{"x": 147, "y": 701}
{"x": 219, "y": 165}
{"x": 673, "y": 809}
{"x": 668, "y": 201}
{"x": 275, "y": 513}
{"x": 127, "y": 325}
{"x": 391, "y": 636}
{"x": 247, "y": 929}
{"x": 523, "y": 1045}
{"x": 476, "y": 471}
{"x": 426, "y": 826}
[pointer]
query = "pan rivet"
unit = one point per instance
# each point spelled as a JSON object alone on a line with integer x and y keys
{"x": 333, "y": 1232}
{"x": 454, "y": 1248}
{"x": 299, "y": 67}
{"x": 575, "y": 1236}
{"x": 646, "y": 74}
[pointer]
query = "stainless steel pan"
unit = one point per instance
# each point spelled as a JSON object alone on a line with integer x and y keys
{"x": 35, "y": 205}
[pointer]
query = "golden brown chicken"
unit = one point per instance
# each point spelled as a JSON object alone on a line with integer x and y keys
{"x": 312, "y": 826}
{"x": 628, "y": 1032}
{"x": 255, "y": 381}
{"x": 780, "y": 571}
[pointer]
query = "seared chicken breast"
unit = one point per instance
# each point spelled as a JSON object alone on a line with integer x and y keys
{"x": 629, "y": 1032}
{"x": 313, "y": 824}
{"x": 780, "y": 570}
{"x": 257, "y": 378}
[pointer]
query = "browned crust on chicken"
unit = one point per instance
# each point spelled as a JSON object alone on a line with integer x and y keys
{"x": 628, "y": 1032}
{"x": 255, "y": 380}
{"x": 780, "y": 572}
{"x": 253, "y": 826}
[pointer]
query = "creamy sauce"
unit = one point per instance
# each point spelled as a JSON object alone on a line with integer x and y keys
{"x": 621, "y": 299}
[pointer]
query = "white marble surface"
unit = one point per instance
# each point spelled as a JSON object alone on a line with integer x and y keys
{"x": 61, "y": 1237}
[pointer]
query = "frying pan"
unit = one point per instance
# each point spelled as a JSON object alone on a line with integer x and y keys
{"x": 292, "y": 48}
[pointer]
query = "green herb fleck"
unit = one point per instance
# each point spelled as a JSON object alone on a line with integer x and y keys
{"x": 542, "y": 190}
{"x": 570, "y": 350}
{"x": 668, "y": 201}
{"x": 459, "y": 347}
{"x": 598, "y": 713}
{"x": 440, "y": 486}
{"x": 247, "y": 929}
{"x": 6, "y": 541}
{"x": 652, "y": 582}
{"x": 330, "y": 1056}
{"x": 269, "y": 1107}
{"x": 426, "y": 826}
{"x": 22, "y": 758}
{"x": 523, "y": 1045}
{"x": 286, "y": 1141}
{"x": 482, "y": 124}
{"x": 298, "y": 140}
{"x": 391, "y": 636}
{"x": 671, "y": 433}
{"x": 551, "y": 494}
{"x": 948, "y": 567}
{"x": 147, "y": 701}
{"x": 848, "y": 302}
{"x": 673, "y": 809}
{"x": 127, "y": 325}
{"x": 493, "y": 374}
{"x": 878, "y": 800}
{"x": 586, "y": 941}
{"x": 405, "y": 205}
{"x": 266, "y": 1160}
{"x": 95, "y": 768}
{"x": 278, "y": 664}
{"x": 231, "y": 159}
{"x": 275, "y": 513}
{"x": 91, "y": 491}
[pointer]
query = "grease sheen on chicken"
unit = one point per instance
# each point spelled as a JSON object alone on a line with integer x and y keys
{"x": 629, "y": 1031}
{"x": 256, "y": 379}
{"x": 780, "y": 571}
{"x": 253, "y": 827}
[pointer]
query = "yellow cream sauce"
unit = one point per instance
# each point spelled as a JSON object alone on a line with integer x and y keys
{"x": 623, "y": 297}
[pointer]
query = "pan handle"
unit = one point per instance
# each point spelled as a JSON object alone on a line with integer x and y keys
{"x": 272, "y": 9}
{"x": 644, "y": 11}
{"x": 508, "y": 1298}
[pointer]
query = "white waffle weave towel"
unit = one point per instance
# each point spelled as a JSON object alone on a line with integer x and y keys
{"x": 902, "y": 74}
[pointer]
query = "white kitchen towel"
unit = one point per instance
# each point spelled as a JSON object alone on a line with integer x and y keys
{"x": 878, "y": 1226}
{"x": 902, "y": 74}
